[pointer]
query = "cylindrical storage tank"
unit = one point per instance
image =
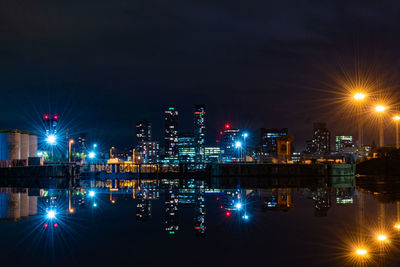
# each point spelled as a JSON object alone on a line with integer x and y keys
{"x": 14, "y": 142}
{"x": 4, "y": 205}
{"x": 24, "y": 145}
{"x": 33, "y": 145}
{"x": 14, "y": 211}
{"x": 24, "y": 200}
{"x": 32, "y": 205}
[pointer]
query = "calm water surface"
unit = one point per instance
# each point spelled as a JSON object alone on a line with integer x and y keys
{"x": 211, "y": 222}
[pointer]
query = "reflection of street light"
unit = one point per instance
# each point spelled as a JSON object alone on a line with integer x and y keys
{"x": 69, "y": 149}
{"x": 396, "y": 121}
{"x": 380, "y": 109}
{"x": 92, "y": 155}
{"x": 51, "y": 139}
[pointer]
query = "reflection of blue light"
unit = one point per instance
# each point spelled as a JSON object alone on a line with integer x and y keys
{"x": 91, "y": 193}
{"x": 92, "y": 155}
{"x": 94, "y": 204}
{"x": 238, "y": 205}
{"x": 238, "y": 144}
{"x": 51, "y": 214}
{"x": 246, "y": 217}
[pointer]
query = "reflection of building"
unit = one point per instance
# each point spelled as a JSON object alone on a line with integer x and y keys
{"x": 187, "y": 148}
{"x": 143, "y": 205}
{"x": 171, "y": 211}
{"x": 171, "y": 132}
{"x": 199, "y": 131}
{"x": 277, "y": 199}
{"x": 16, "y": 203}
{"x": 322, "y": 201}
{"x": 200, "y": 211}
{"x": 344, "y": 195}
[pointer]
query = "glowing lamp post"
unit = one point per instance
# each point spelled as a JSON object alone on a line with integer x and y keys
{"x": 245, "y": 135}
{"x": 69, "y": 149}
{"x": 51, "y": 140}
{"x": 358, "y": 98}
{"x": 396, "y": 121}
{"x": 238, "y": 145}
{"x": 380, "y": 109}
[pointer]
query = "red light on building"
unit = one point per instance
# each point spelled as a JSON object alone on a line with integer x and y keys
{"x": 46, "y": 117}
{"x": 55, "y": 117}
{"x": 55, "y": 225}
{"x": 221, "y": 132}
{"x": 197, "y": 113}
{"x": 221, "y": 207}
{"x": 45, "y": 225}
{"x": 228, "y": 213}
{"x": 227, "y": 126}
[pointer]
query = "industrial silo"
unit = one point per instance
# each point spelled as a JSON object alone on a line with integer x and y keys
{"x": 33, "y": 205}
{"x": 14, "y": 209}
{"x": 24, "y": 203}
{"x": 24, "y": 145}
{"x": 4, "y": 204}
{"x": 33, "y": 144}
{"x": 14, "y": 143}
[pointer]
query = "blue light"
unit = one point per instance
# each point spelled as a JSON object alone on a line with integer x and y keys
{"x": 51, "y": 139}
{"x": 238, "y": 144}
{"x": 92, "y": 155}
{"x": 246, "y": 217}
{"x": 238, "y": 205}
{"x": 51, "y": 214}
{"x": 92, "y": 193}
{"x": 245, "y": 135}
{"x": 94, "y": 204}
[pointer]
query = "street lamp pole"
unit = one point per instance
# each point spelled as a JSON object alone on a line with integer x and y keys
{"x": 380, "y": 109}
{"x": 359, "y": 98}
{"x": 396, "y": 121}
{"x": 69, "y": 149}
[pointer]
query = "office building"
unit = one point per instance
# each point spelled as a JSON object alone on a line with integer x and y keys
{"x": 268, "y": 140}
{"x": 199, "y": 131}
{"x": 213, "y": 154}
{"x": 171, "y": 132}
{"x": 321, "y": 142}
{"x": 143, "y": 131}
{"x": 229, "y": 137}
{"x": 187, "y": 148}
{"x": 343, "y": 141}
{"x": 149, "y": 152}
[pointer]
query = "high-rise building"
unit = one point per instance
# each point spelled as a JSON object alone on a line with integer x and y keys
{"x": 143, "y": 131}
{"x": 199, "y": 131}
{"x": 187, "y": 148}
{"x": 268, "y": 140}
{"x": 321, "y": 142}
{"x": 171, "y": 132}
{"x": 229, "y": 137}
{"x": 343, "y": 141}
{"x": 149, "y": 152}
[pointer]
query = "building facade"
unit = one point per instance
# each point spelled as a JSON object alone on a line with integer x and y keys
{"x": 171, "y": 132}
{"x": 343, "y": 141}
{"x": 143, "y": 131}
{"x": 321, "y": 142}
{"x": 149, "y": 152}
{"x": 199, "y": 132}
{"x": 268, "y": 140}
{"x": 187, "y": 148}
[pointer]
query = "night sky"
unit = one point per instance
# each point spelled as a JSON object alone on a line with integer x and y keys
{"x": 103, "y": 65}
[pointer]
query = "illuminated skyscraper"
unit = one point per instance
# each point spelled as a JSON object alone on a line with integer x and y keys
{"x": 199, "y": 131}
{"x": 143, "y": 131}
{"x": 187, "y": 148}
{"x": 171, "y": 132}
{"x": 228, "y": 138}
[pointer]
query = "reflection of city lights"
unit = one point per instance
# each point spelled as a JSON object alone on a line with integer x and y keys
{"x": 92, "y": 155}
{"x": 71, "y": 210}
{"x": 113, "y": 201}
{"x": 95, "y": 205}
{"x": 91, "y": 193}
{"x": 397, "y": 226}
{"x": 382, "y": 237}
{"x": 228, "y": 213}
{"x": 55, "y": 225}
{"x": 361, "y": 252}
{"x": 51, "y": 214}
{"x": 45, "y": 225}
